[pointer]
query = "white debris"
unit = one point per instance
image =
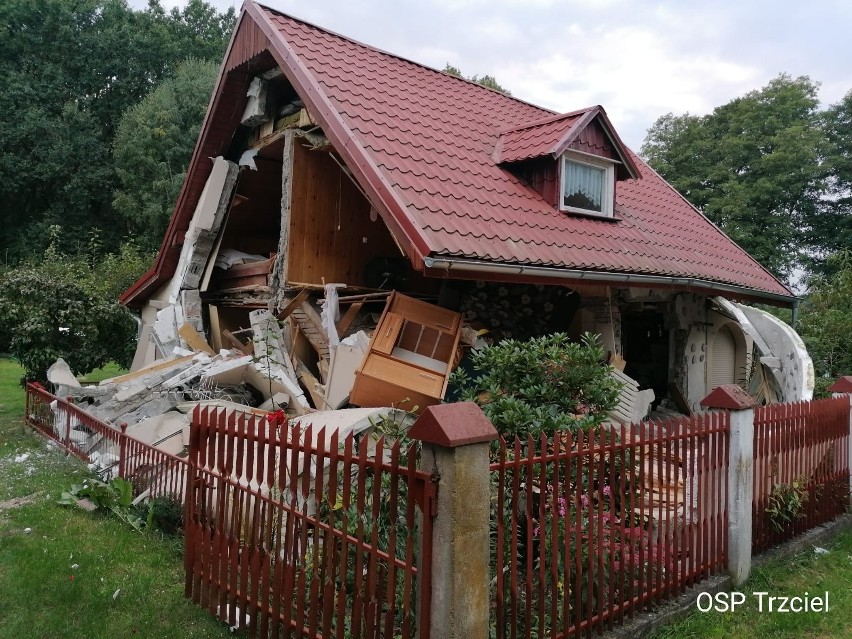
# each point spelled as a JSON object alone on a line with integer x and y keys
{"x": 60, "y": 374}
{"x": 821, "y": 551}
{"x": 115, "y": 594}
{"x": 20, "y": 459}
{"x": 242, "y": 620}
{"x": 27, "y": 531}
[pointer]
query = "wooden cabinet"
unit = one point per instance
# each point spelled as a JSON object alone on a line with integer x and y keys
{"x": 410, "y": 355}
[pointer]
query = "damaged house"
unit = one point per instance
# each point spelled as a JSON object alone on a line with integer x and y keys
{"x": 352, "y": 222}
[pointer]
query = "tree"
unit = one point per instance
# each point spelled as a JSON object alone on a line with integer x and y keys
{"x": 488, "y": 81}
{"x": 831, "y": 229}
{"x": 754, "y": 166}
{"x": 69, "y": 69}
{"x": 152, "y": 147}
{"x": 826, "y": 320}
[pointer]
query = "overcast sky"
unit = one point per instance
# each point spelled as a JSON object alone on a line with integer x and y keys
{"x": 638, "y": 59}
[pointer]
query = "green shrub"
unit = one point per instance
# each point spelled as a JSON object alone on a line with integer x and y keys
{"x": 67, "y": 306}
{"x": 543, "y": 385}
{"x": 165, "y": 513}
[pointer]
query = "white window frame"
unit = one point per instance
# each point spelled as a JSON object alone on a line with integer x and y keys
{"x": 608, "y": 196}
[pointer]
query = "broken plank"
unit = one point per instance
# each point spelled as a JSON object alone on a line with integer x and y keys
{"x": 310, "y": 325}
{"x": 364, "y": 296}
{"x": 142, "y": 372}
{"x": 194, "y": 339}
{"x": 348, "y": 317}
{"x": 680, "y": 401}
{"x": 215, "y": 328}
{"x": 312, "y": 385}
{"x": 246, "y": 349}
{"x": 292, "y": 305}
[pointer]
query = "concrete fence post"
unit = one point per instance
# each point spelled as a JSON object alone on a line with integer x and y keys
{"x": 740, "y": 475}
{"x": 843, "y": 388}
{"x": 455, "y": 446}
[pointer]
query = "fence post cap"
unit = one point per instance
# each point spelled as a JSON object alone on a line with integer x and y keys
{"x": 452, "y": 425}
{"x": 842, "y": 385}
{"x": 730, "y": 397}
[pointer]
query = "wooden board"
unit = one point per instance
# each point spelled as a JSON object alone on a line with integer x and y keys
{"x": 215, "y": 328}
{"x": 310, "y": 325}
{"x": 194, "y": 339}
{"x": 348, "y": 317}
{"x": 142, "y": 372}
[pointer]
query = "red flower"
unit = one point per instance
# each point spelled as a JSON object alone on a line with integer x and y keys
{"x": 277, "y": 418}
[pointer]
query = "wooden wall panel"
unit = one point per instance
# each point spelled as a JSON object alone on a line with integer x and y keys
{"x": 249, "y": 41}
{"x": 542, "y": 174}
{"x": 594, "y": 140}
{"x": 329, "y": 220}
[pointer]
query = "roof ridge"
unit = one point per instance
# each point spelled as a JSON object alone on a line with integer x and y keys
{"x": 548, "y": 120}
{"x": 404, "y": 59}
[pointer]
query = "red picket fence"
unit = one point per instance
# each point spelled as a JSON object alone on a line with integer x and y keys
{"x": 801, "y": 451}
{"x": 593, "y": 526}
{"x": 91, "y": 440}
{"x": 294, "y": 531}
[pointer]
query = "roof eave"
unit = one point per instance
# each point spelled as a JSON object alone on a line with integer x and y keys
{"x": 465, "y": 268}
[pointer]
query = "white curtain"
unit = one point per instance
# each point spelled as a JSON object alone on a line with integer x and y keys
{"x": 584, "y": 186}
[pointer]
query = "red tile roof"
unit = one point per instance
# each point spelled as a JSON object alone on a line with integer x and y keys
{"x": 536, "y": 139}
{"x": 423, "y": 144}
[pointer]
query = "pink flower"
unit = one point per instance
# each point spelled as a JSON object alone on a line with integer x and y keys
{"x": 584, "y": 499}
{"x": 607, "y": 490}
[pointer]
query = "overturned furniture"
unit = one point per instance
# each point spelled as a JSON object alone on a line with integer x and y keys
{"x": 410, "y": 356}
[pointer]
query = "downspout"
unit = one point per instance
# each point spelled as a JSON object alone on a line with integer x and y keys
{"x": 795, "y": 319}
{"x": 139, "y": 324}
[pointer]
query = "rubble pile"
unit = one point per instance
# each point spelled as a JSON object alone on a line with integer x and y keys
{"x": 304, "y": 360}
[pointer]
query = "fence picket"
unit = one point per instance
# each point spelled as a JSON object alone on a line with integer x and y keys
{"x": 799, "y": 442}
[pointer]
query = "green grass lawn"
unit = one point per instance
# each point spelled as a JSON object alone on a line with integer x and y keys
{"x": 77, "y": 574}
{"x": 807, "y": 572}
{"x": 105, "y": 372}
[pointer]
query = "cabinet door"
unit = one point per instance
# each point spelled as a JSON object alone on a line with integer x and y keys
{"x": 386, "y": 333}
{"x": 405, "y": 375}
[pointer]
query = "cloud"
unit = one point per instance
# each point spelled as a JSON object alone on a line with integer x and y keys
{"x": 639, "y": 60}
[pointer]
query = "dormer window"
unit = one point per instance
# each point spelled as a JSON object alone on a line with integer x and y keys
{"x": 588, "y": 184}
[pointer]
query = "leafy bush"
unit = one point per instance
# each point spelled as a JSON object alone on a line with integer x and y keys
{"x": 68, "y": 307}
{"x": 542, "y": 385}
{"x": 165, "y": 513}
{"x": 786, "y": 503}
